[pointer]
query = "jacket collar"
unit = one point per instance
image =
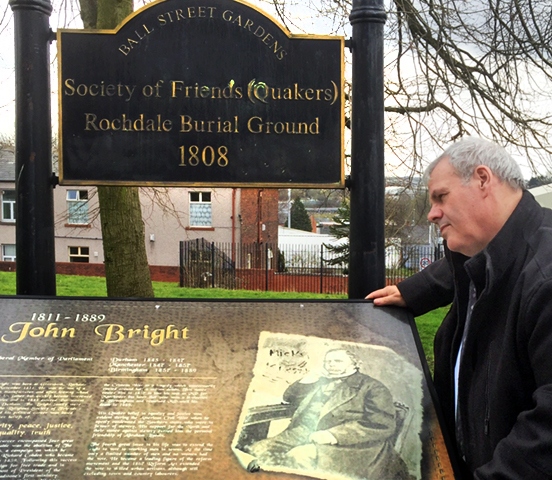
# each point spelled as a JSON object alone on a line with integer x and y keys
{"x": 501, "y": 254}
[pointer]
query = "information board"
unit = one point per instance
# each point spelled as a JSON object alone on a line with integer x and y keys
{"x": 194, "y": 389}
{"x": 186, "y": 92}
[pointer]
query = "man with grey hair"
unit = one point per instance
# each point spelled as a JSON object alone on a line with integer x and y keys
{"x": 493, "y": 351}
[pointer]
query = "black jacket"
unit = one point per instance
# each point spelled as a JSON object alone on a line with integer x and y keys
{"x": 505, "y": 379}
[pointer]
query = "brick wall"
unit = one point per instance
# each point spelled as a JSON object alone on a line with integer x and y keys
{"x": 258, "y": 207}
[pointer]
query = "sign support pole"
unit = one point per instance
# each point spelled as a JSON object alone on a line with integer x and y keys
{"x": 35, "y": 247}
{"x": 367, "y": 236}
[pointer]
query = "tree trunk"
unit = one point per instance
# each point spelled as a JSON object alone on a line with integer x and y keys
{"x": 126, "y": 264}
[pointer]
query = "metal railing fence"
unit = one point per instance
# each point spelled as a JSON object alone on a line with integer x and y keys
{"x": 298, "y": 268}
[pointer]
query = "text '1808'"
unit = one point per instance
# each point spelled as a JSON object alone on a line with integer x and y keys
{"x": 209, "y": 156}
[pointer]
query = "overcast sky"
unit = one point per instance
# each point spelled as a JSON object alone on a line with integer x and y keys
{"x": 7, "y": 71}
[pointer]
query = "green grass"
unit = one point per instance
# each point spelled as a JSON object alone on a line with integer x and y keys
{"x": 169, "y": 290}
{"x": 78, "y": 286}
{"x": 7, "y": 283}
{"x": 427, "y": 326}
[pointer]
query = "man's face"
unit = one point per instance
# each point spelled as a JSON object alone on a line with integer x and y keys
{"x": 457, "y": 208}
{"x": 338, "y": 364}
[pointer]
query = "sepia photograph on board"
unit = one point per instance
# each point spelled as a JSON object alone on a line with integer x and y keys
{"x": 331, "y": 409}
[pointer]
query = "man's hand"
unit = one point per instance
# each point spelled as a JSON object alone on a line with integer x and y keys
{"x": 387, "y": 296}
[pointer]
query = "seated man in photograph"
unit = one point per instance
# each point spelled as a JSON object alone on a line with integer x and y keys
{"x": 343, "y": 424}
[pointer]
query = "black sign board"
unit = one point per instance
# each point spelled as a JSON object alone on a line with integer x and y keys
{"x": 200, "y": 93}
{"x": 95, "y": 388}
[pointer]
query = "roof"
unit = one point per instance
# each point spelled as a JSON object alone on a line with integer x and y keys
{"x": 292, "y": 236}
{"x": 543, "y": 195}
{"x": 7, "y": 165}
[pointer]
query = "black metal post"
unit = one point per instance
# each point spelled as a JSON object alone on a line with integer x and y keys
{"x": 322, "y": 268}
{"x": 367, "y": 183}
{"x": 181, "y": 258}
{"x": 35, "y": 246}
{"x": 213, "y": 266}
{"x": 266, "y": 267}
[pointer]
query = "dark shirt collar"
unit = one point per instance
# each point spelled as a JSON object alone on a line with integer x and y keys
{"x": 502, "y": 251}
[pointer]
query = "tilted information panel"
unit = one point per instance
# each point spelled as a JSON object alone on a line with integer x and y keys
{"x": 97, "y": 388}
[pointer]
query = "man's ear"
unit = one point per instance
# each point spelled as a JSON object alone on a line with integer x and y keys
{"x": 483, "y": 176}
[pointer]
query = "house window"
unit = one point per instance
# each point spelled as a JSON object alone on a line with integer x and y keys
{"x": 200, "y": 209}
{"x": 8, "y": 253}
{"x": 79, "y": 254}
{"x": 8, "y": 206}
{"x": 77, "y": 207}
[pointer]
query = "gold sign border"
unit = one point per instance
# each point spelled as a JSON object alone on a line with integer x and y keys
{"x": 336, "y": 185}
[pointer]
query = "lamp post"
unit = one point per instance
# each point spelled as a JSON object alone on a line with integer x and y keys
{"x": 35, "y": 250}
{"x": 367, "y": 184}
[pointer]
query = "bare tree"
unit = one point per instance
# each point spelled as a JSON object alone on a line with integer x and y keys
{"x": 459, "y": 67}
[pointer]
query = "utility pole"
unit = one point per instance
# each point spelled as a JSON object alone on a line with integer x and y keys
{"x": 289, "y": 208}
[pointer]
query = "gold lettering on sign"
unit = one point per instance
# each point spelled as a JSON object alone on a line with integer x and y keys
{"x": 22, "y": 330}
{"x": 185, "y": 13}
{"x": 258, "y": 125}
{"x": 126, "y": 124}
{"x": 180, "y": 90}
{"x": 209, "y": 156}
{"x": 261, "y": 92}
{"x": 188, "y": 124}
{"x": 98, "y": 89}
{"x": 258, "y": 31}
{"x": 116, "y": 333}
{"x": 133, "y": 40}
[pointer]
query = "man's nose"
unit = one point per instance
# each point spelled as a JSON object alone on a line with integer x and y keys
{"x": 435, "y": 213}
